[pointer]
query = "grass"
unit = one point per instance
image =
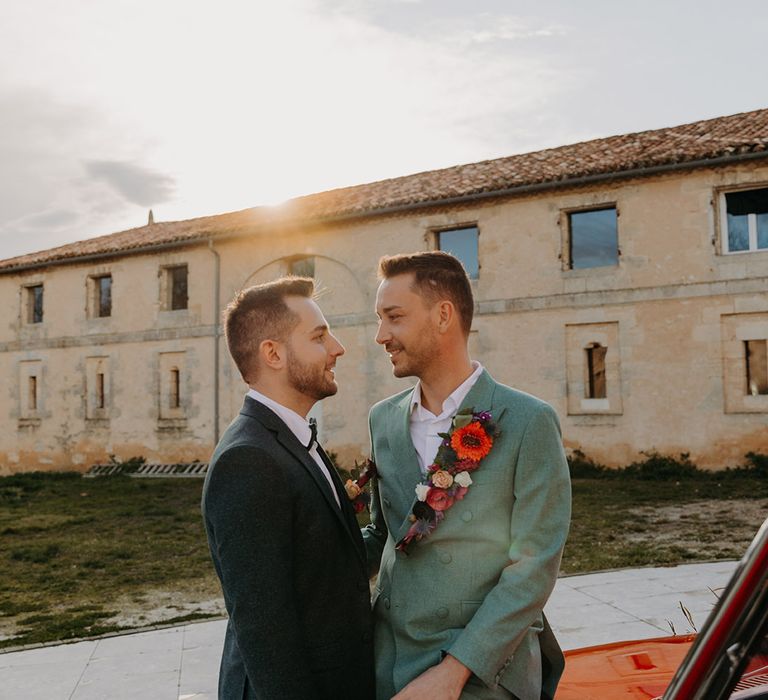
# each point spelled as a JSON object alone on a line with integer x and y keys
{"x": 71, "y": 549}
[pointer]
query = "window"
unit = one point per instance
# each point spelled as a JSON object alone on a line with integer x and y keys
{"x": 32, "y": 393}
{"x": 592, "y": 369}
{"x": 744, "y": 339}
{"x": 97, "y": 388}
{"x": 746, "y": 221}
{"x": 35, "y": 303}
{"x": 174, "y": 288}
{"x": 174, "y": 395}
{"x": 100, "y": 399}
{"x": 593, "y": 238}
{"x": 302, "y": 267}
{"x": 596, "y": 371}
{"x": 173, "y": 390}
{"x": 463, "y": 243}
{"x": 756, "y": 356}
{"x": 100, "y": 296}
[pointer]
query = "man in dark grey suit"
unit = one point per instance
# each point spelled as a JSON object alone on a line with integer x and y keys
{"x": 281, "y": 530}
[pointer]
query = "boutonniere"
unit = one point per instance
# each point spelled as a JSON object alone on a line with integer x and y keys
{"x": 360, "y": 498}
{"x": 448, "y": 479}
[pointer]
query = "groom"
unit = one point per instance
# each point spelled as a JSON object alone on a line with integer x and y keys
{"x": 282, "y": 533}
{"x": 464, "y": 570}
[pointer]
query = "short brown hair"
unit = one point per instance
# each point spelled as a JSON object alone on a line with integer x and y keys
{"x": 437, "y": 275}
{"x": 260, "y": 313}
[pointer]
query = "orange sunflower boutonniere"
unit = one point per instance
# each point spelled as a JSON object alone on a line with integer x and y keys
{"x": 448, "y": 479}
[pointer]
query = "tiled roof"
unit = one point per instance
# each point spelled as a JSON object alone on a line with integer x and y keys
{"x": 712, "y": 139}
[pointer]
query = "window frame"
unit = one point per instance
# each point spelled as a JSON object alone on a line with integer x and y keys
{"x": 30, "y": 303}
{"x": 567, "y": 238}
{"x": 167, "y": 287}
{"x": 437, "y": 231}
{"x": 751, "y": 220}
{"x": 95, "y": 295}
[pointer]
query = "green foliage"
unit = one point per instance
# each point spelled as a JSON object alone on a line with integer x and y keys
{"x": 583, "y": 467}
{"x": 129, "y": 465}
{"x": 658, "y": 467}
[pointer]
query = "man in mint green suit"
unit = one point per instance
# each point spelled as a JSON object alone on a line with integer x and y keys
{"x": 458, "y": 607}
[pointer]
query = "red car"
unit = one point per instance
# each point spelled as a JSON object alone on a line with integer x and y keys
{"x": 727, "y": 659}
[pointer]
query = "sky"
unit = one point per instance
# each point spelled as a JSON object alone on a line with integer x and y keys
{"x": 111, "y": 107}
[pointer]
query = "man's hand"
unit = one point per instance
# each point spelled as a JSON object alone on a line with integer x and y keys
{"x": 442, "y": 682}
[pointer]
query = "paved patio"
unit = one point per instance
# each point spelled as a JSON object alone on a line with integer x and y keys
{"x": 181, "y": 663}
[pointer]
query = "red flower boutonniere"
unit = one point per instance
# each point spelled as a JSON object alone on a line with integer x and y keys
{"x": 355, "y": 489}
{"x": 448, "y": 478}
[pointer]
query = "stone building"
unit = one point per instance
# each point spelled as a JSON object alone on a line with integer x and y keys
{"x": 624, "y": 280}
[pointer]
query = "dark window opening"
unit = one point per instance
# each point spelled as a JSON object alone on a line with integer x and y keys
{"x": 303, "y": 267}
{"x": 178, "y": 284}
{"x": 35, "y": 304}
{"x": 594, "y": 238}
{"x": 100, "y": 397}
{"x": 596, "y": 386}
{"x": 174, "y": 396}
{"x": 756, "y": 352}
{"x": 103, "y": 295}
{"x": 32, "y": 393}
{"x": 463, "y": 244}
{"x": 747, "y": 219}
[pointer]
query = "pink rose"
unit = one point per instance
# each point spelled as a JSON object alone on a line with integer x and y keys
{"x": 442, "y": 479}
{"x": 439, "y": 499}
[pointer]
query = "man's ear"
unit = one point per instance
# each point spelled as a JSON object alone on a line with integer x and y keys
{"x": 272, "y": 354}
{"x": 446, "y": 315}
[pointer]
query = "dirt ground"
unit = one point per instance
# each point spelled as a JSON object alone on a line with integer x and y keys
{"x": 688, "y": 526}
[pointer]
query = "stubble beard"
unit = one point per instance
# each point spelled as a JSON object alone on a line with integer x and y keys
{"x": 309, "y": 380}
{"x": 416, "y": 361}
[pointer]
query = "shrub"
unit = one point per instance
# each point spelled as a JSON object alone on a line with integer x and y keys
{"x": 658, "y": 467}
{"x": 583, "y": 467}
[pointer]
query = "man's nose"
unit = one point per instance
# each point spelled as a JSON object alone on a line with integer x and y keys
{"x": 339, "y": 349}
{"x": 382, "y": 334}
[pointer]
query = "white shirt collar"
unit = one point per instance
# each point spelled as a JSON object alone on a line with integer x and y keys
{"x": 298, "y": 425}
{"x": 451, "y": 403}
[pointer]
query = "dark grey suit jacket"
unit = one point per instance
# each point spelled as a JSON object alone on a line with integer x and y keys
{"x": 291, "y": 565}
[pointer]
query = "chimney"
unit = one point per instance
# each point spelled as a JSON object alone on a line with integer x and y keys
{"x": 151, "y": 218}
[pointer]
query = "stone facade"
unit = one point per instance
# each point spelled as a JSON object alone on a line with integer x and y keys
{"x": 671, "y": 318}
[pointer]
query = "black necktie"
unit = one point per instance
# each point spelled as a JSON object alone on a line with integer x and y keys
{"x": 313, "y": 428}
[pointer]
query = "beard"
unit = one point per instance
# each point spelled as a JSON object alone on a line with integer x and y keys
{"x": 308, "y": 379}
{"x": 414, "y": 360}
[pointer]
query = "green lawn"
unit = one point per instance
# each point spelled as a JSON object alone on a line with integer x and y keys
{"x": 71, "y": 548}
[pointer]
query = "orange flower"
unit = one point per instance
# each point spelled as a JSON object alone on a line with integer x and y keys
{"x": 471, "y": 442}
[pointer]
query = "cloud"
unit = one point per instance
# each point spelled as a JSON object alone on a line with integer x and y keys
{"x": 136, "y": 183}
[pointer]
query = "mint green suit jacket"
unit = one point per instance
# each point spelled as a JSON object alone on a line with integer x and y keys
{"x": 476, "y": 587}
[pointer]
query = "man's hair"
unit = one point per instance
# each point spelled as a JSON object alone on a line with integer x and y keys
{"x": 437, "y": 275}
{"x": 260, "y": 313}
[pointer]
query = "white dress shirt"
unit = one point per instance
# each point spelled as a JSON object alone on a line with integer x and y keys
{"x": 300, "y": 428}
{"x": 425, "y": 425}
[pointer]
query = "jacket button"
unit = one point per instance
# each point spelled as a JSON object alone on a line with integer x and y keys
{"x": 386, "y": 603}
{"x": 466, "y": 516}
{"x": 445, "y": 557}
{"x": 442, "y": 612}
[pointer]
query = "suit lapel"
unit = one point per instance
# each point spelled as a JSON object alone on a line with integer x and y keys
{"x": 479, "y": 398}
{"x": 290, "y": 442}
{"x": 346, "y": 507}
{"x": 406, "y": 461}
